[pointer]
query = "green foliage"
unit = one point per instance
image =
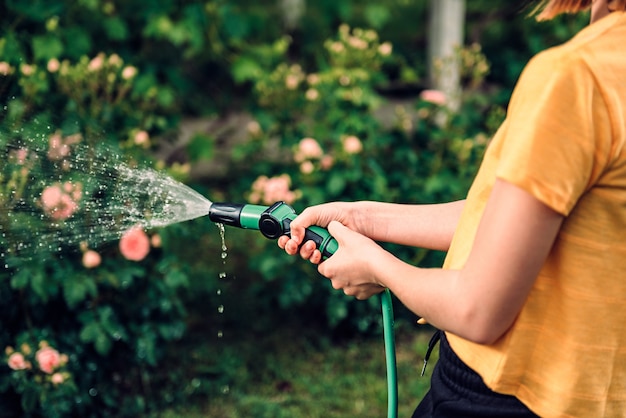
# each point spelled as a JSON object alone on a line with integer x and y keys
{"x": 91, "y": 78}
{"x": 320, "y": 132}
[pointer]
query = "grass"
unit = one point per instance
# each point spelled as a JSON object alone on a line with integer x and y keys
{"x": 291, "y": 372}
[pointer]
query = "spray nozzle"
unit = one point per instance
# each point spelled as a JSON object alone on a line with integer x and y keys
{"x": 272, "y": 221}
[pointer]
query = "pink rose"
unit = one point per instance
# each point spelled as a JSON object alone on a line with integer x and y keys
{"x": 5, "y": 68}
{"x": 433, "y": 96}
{"x": 17, "y": 362}
{"x": 48, "y": 359}
{"x": 135, "y": 244}
{"x": 142, "y": 138}
{"x": 57, "y": 148}
{"x": 91, "y": 259}
{"x": 51, "y": 197}
{"x": 59, "y": 202}
{"x": 57, "y": 378}
{"x": 53, "y": 65}
{"x": 277, "y": 188}
{"x": 96, "y": 63}
{"x": 327, "y": 162}
{"x": 308, "y": 148}
{"x": 352, "y": 145}
{"x": 19, "y": 156}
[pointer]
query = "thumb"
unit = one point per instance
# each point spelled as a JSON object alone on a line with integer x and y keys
{"x": 337, "y": 230}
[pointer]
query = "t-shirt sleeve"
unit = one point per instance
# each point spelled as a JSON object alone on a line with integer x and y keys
{"x": 557, "y": 142}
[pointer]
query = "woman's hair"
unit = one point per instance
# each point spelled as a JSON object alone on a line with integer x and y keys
{"x": 547, "y": 9}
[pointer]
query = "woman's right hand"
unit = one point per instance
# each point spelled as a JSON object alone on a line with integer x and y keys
{"x": 320, "y": 215}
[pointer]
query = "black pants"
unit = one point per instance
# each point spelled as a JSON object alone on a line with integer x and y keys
{"x": 457, "y": 391}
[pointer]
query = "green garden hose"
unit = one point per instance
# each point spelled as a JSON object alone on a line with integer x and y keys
{"x": 390, "y": 354}
{"x": 273, "y": 222}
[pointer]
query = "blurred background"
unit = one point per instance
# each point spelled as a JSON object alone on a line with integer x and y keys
{"x": 244, "y": 101}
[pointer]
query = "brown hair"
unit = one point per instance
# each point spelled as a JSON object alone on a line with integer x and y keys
{"x": 547, "y": 9}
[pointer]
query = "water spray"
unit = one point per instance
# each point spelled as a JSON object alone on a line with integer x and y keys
{"x": 274, "y": 221}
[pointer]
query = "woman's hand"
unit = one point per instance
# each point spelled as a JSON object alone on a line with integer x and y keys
{"x": 352, "y": 268}
{"x": 320, "y": 215}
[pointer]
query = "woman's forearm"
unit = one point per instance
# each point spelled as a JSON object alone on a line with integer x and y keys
{"x": 428, "y": 226}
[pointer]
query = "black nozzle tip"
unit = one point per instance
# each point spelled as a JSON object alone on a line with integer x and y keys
{"x": 226, "y": 213}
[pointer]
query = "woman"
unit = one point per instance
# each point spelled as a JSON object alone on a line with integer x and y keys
{"x": 531, "y": 296}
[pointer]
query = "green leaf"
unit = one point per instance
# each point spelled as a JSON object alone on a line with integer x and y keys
{"x": 77, "y": 42}
{"x": 201, "y": 147}
{"x": 175, "y": 278}
{"x": 336, "y": 184}
{"x": 377, "y": 15}
{"x": 46, "y": 47}
{"x": 245, "y": 69}
{"x": 116, "y": 29}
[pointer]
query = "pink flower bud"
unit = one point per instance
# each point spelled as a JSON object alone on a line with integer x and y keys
{"x": 433, "y": 96}
{"x": 352, "y": 145}
{"x": 91, "y": 259}
{"x": 57, "y": 378}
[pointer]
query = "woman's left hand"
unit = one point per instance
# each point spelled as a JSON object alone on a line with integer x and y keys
{"x": 352, "y": 267}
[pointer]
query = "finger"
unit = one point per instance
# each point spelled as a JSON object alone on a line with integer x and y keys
{"x": 307, "y": 249}
{"x": 316, "y": 257}
{"x": 282, "y": 241}
{"x": 292, "y": 247}
{"x": 336, "y": 229}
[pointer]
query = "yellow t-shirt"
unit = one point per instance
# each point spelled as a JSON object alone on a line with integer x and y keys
{"x": 563, "y": 142}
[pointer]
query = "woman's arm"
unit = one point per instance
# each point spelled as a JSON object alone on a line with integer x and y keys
{"x": 478, "y": 302}
{"x": 427, "y": 226}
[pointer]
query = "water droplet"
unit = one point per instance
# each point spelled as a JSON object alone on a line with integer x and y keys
{"x": 225, "y": 389}
{"x": 93, "y": 392}
{"x": 222, "y": 274}
{"x": 220, "y": 334}
{"x": 220, "y": 309}
{"x": 224, "y": 255}
{"x": 219, "y": 292}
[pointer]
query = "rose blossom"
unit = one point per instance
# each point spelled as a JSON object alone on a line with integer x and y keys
{"x": 436, "y": 97}
{"x": 129, "y": 72}
{"x": 48, "y": 359}
{"x": 27, "y": 69}
{"x": 17, "y": 362}
{"x": 91, "y": 259}
{"x": 312, "y": 94}
{"x": 135, "y": 244}
{"x": 385, "y": 48}
{"x": 60, "y": 202}
{"x": 327, "y": 162}
{"x": 142, "y": 138}
{"x": 155, "y": 241}
{"x": 5, "y": 68}
{"x": 57, "y": 378}
{"x": 277, "y": 189}
{"x": 307, "y": 167}
{"x": 57, "y": 149}
{"x": 291, "y": 81}
{"x": 19, "y": 156}
{"x": 308, "y": 148}
{"x": 53, "y": 65}
{"x": 96, "y": 63}
{"x": 352, "y": 145}
{"x": 271, "y": 190}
